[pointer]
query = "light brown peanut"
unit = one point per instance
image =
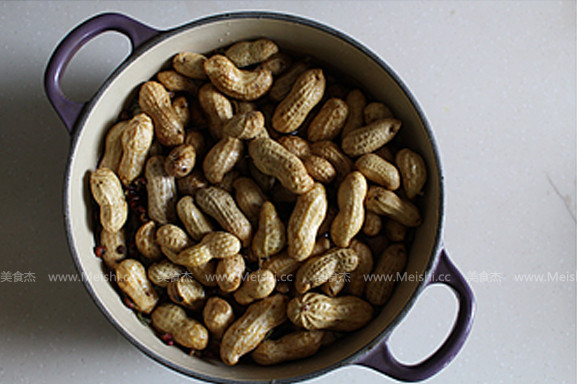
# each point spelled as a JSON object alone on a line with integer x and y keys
{"x": 257, "y": 285}
{"x": 379, "y": 171}
{"x": 284, "y": 83}
{"x": 318, "y": 168}
{"x": 370, "y": 137}
{"x": 229, "y": 273}
{"x": 376, "y": 111}
{"x": 329, "y": 121}
{"x": 270, "y": 237}
{"x": 115, "y": 249}
{"x": 296, "y": 145}
{"x": 358, "y": 277}
{"x": 189, "y": 184}
{"x": 205, "y": 273}
{"x": 384, "y": 202}
{"x": 331, "y": 152}
{"x": 349, "y": 221}
{"x": 219, "y": 245}
{"x": 294, "y": 346}
{"x": 161, "y": 189}
{"x": 217, "y": 315}
{"x": 318, "y": 269}
{"x": 190, "y": 64}
{"x": 249, "y": 198}
{"x": 238, "y": 83}
{"x": 187, "y": 292}
{"x": 172, "y": 319}
{"x": 216, "y": 107}
{"x": 277, "y": 64}
{"x": 373, "y": 224}
{"x": 107, "y": 192}
{"x": 273, "y": 159}
{"x": 413, "y": 171}
{"x": 113, "y": 147}
{"x": 220, "y": 205}
{"x": 245, "y": 126}
{"x": 180, "y": 161}
{"x": 164, "y": 272}
{"x": 176, "y": 82}
{"x": 385, "y": 275}
{"x": 136, "y": 141}
{"x": 304, "y": 222}
{"x": 194, "y": 221}
{"x": 145, "y": 239}
{"x": 222, "y": 158}
{"x": 395, "y": 231}
{"x": 307, "y": 92}
{"x": 172, "y": 240}
{"x": 246, "y": 333}
{"x": 282, "y": 265}
{"x": 155, "y": 102}
{"x": 356, "y": 102}
{"x": 180, "y": 105}
{"x": 245, "y": 53}
{"x": 132, "y": 280}
{"x": 314, "y": 311}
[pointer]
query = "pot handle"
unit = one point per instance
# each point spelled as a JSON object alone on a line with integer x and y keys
{"x": 381, "y": 358}
{"x": 69, "y": 110}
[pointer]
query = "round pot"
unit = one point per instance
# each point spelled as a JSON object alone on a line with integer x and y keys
{"x": 87, "y": 122}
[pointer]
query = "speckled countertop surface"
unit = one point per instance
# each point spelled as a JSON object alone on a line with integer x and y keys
{"x": 497, "y": 81}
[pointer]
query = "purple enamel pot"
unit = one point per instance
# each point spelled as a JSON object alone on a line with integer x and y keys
{"x": 151, "y": 48}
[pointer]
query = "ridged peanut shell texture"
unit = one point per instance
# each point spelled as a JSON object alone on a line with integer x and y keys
{"x": 107, "y": 192}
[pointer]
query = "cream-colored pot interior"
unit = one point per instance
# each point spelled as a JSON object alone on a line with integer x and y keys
{"x": 307, "y": 38}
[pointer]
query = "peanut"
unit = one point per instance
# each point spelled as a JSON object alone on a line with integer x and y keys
{"x": 246, "y": 333}
{"x": 249, "y": 198}
{"x": 270, "y": 238}
{"x": 294, "y": 346}
{"x": 318, "y": 269}
{"x": 282, "y": 265}
{"x": 217, "y": 108}
{"x": 335, "y": 284}
{"x": 376, "y": 111}
{"x": 172, "y": 240}
{"x": 113, "y": 147}
{"x": 186, "y": 292}
{"x": 175, "y": 82}
{"x": 136, "y": 141}
{"x": 194, "y": 221}
{"x": 284, "y": 83}
{"x": 132, "y": 280}
{"x": 373, "y": 224}
{"x": 384, "y": 202}
{"x": 258, "y": 285}
{"x": 245, "y": 53}
{"x": 318, "y": 168}
{"x": 315, "y": 311}
{"x": 305, "y": 94}
{"x": 115, "y": 247}
{"x": 164, "y": 272}
{"x": 220, "y": 205}
{"x": 180, "y": 105}
{"x": 304, "y": 222}
{"x": 413, "y": 171}
{"x": 161, "y": 188}
{"x": 392, "y": 262}
{"x": 277, "y": 64}
{"x": 145, "y": 240}
{"x": 205, "y": 273}
{"x": 245, "y": 126}
{"x": 189, "y": 184}
{"x": 222, "y": 158}
{"x": 395, "y": 231}
{"x": 229, "y": 273}
{"x": 217, "y": 315}
{"x": 107, "y": 192}
{"x": 379, "y": 171}
{"x": 273, "y": 159}
{"x": 358, "y": 277}
{"x": 155, "y": 102}
{"x": 356, "y": 103}
{"x": 296, "y": 145}
{"x": 329, "y": 121}
{"x": 370, "y": 137}
{"x": 172, "y": 319}
{"x": 217, "y": 244}
{"x": 190, "y": 64}
{"x": 180, "y": 161}
{"x": 349, "y": 221}
{"x": 240, "y": 84}
{"x": 331, "y": 152}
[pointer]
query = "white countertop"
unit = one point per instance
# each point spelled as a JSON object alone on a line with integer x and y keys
{"x": 497, "y": 81}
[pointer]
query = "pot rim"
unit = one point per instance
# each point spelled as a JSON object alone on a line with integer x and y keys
{"x": 79, "y": 126}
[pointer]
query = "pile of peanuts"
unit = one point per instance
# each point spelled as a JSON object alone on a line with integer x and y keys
{"x": 241, "y": 199}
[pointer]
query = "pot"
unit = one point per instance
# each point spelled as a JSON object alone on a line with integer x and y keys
{"x": 87, "y": 123}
